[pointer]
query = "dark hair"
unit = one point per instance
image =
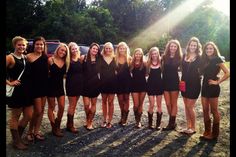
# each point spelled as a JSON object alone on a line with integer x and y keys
{"x": 89, "y": 55}
{"x": 40, "y": 38}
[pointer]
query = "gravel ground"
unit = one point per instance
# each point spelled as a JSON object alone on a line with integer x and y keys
{"x": 129, "y": 141}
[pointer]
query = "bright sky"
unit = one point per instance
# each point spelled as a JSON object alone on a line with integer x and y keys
{"x": 222, "y": 5}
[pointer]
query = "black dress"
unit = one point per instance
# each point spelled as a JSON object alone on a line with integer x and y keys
{"x": 108, "y": 76}
{"x": 210, "y": 72}
{"x": 74, "y": 79}
{"x": 55, "y": 80}
{"x": 192, "y": 78}
{"x": 123, "y": 79}
{"x": 138, "y": 80}
{"x": 171, "y": 76}
{"x": 91, "y": 83}
{"x": 39, "y": 76}
{"x": 155, "y": 82}
{"x": 21, "y": 96}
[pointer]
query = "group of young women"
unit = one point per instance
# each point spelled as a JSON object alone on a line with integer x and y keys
{"x": 111, "y": 71}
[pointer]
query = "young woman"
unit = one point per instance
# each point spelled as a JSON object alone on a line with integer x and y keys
{"x": 171, "y": 62}
{"x": 20, "y": 101}
{"x": 123, "y": 60}
{"x": 212, "y": 65}
{"x": 192, "y": 79}
{"x": 91, "y": 83}
{"x": 74, "y": 84}
{"x": 39, "y": 77}
{"x": 58, "y": 66}
{"x": 107, "y": 69}
{"x": 154, "y": 86}
{"x": 138, "y": 84}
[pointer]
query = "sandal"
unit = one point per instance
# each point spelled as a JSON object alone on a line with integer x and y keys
{"x": 39, "y": 137}
{"x": 104, "y": 124}
{"x": 30, "y": 137}
{"x": 109, "y": 125}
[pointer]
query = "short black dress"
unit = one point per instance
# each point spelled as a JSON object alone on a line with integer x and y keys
{"x": 74, "y": 79}
{"x": 155, "y": 82}
{"x": 191, "y": 76}
{"x": 108, "y": 76}
{"x": 39, "y": 76}
{"x": 91, "y": 83}
{"x": 171, "y": 76}
{"x": 123, "y": 79}
{"x": 21, "y": 96}
{"x": 55, "y": 80}
{"x": 210, "y": 72}
{"x": 138, "y": 79}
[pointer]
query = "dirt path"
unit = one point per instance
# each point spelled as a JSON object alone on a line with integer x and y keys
{"x": 128, "y": 141}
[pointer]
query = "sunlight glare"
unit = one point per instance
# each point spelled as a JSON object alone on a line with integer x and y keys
{"x": 153, "y": 33}
{"x": 222, "y": 5}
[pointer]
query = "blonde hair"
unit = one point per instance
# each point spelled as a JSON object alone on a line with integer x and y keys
{"x": 18, "y": 38}
{"x": 149, "y": 62}
{"x": 108, "y": 44}
{"x": 67, "y": 57}
{"x": 70, "y": 46}
{"x": 127, "y": 53}
{"x": 133, "y": 60}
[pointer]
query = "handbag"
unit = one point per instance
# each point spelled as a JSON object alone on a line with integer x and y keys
{"x": 182, "y": 86}
{"x": 9, "y": 88}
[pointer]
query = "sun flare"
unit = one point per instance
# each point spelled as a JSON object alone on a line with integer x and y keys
{"x": 222, "y": 5}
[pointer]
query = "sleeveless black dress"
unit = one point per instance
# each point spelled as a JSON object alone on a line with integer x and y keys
{"x": 155, "y": 82}
{"x": 211, "y": 72}
{"x": 21, "y": 96}
{"x": 192, "y": 78}
{"x": 138, "y": 80}
{"x": 39, "y": 76}
{"x": 108, "y": 76}
{"x": 91, "y": 83}
{"x": 171, "y": 76}
{"x": 55, "y": 80}
{"x": 123, "y": 79}
{"x": 74, "y": 79}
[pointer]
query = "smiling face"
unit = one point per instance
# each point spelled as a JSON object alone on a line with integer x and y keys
{"x": 122, "y": 50}
{"x": 20, "y": 46}
{"x": 138, "y": 55}
{"x": 62, "y": 52}
{"x": 108, "y": 49}
{"x": 193, "y": 47}
{"x": 94, "y": 50}
{"x": 74, "y": 50}
{"x": 210, "y": 51}
{"x": 39, "y": 46}
{"x": 173, "y": 49}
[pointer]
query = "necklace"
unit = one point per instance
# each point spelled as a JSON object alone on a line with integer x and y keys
{"x": 17, "y": 56}
{"x": 154, "y": 64}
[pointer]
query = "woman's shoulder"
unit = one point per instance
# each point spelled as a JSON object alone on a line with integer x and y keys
{"x": 218, "y": 60}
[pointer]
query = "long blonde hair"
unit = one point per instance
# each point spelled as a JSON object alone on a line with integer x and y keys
{"x": 67, "y": 57}
{"x": 108, "y": 44}
{"x": 127, "y": 53}
{"x": 70, "y": 46}
{"x": 149, "y": 62}
{"x": 134, "y": 59}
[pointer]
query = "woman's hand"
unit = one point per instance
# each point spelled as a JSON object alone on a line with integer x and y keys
{"x": 15, "y": 83}
{"x": 213, "y": 82}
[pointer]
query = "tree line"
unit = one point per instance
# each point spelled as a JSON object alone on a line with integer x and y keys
{"x": 112, "y": 20}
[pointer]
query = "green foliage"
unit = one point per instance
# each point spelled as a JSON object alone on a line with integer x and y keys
{"x": 112, "y": 20}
